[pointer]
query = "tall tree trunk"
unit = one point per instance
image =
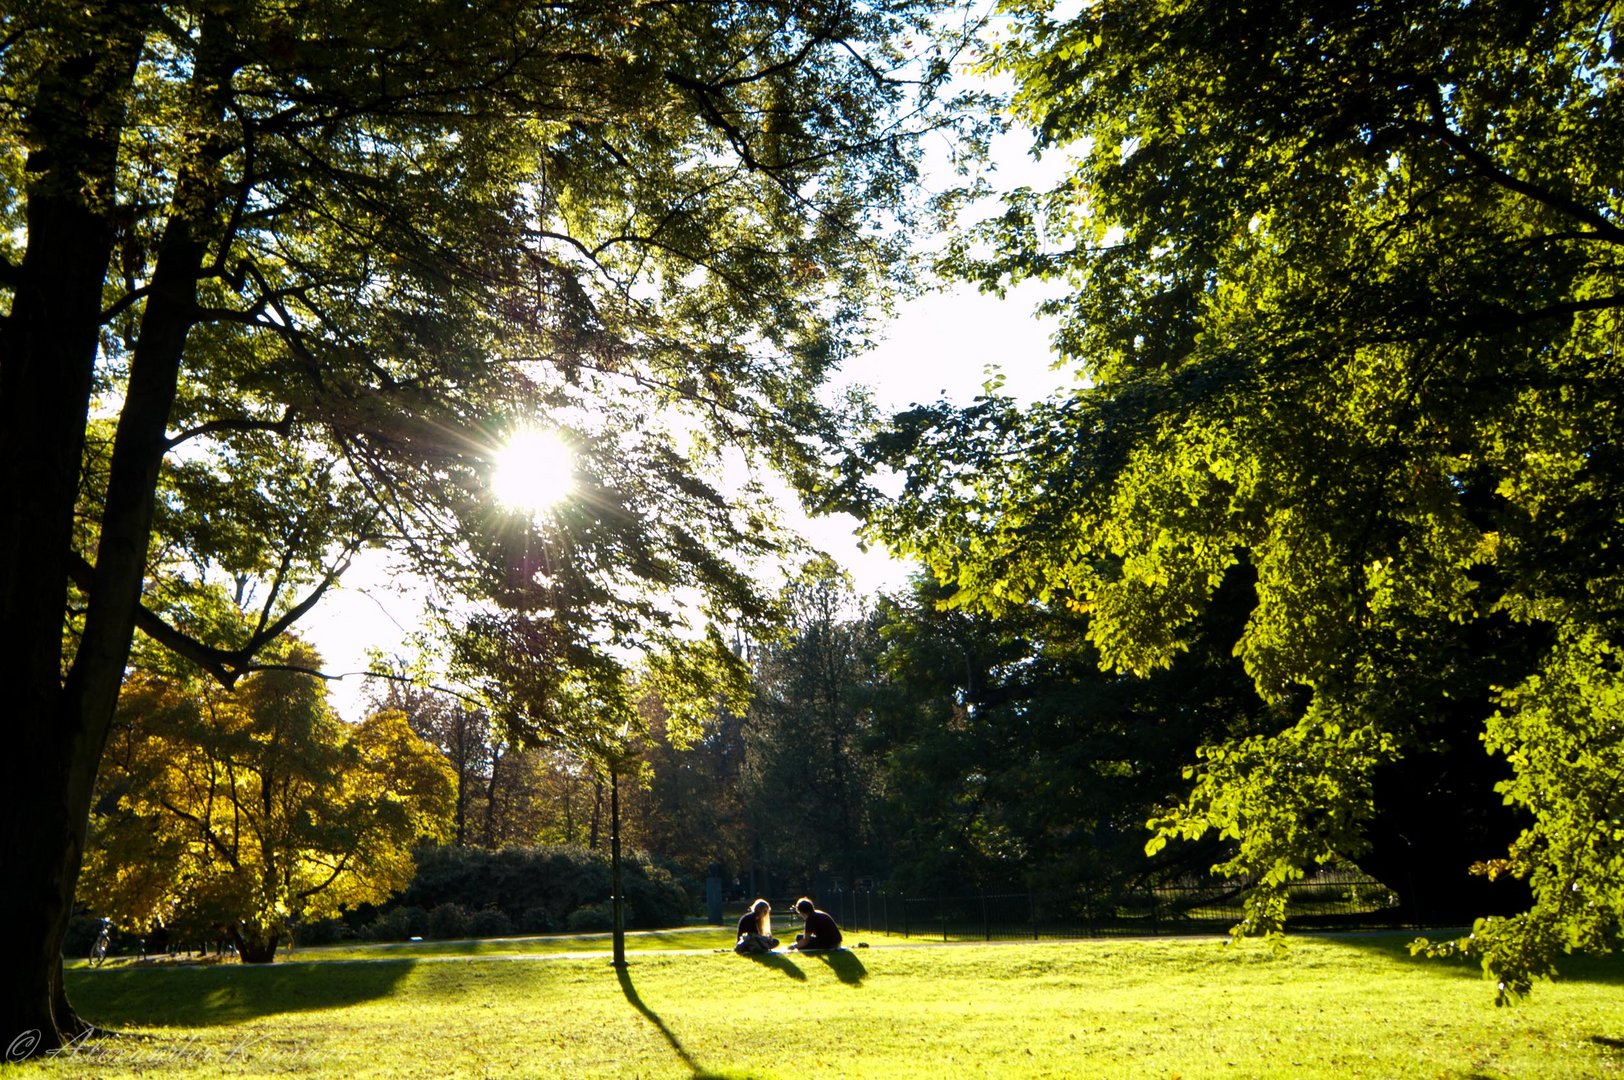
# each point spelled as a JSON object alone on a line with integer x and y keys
{"x": 50, "y": 341}
{"x": 48, "y": 346}
{"x": 460, "y": 743}
{"x": 492, "y": 789}
{"x": 597, "y": 815}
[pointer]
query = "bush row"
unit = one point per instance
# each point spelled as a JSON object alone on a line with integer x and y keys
{"x": 471, "y": 892}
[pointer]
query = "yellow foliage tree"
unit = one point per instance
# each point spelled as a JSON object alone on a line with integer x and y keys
{"x": 244, "y": 811}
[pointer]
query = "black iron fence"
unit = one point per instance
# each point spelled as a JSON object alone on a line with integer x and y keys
{"x": 1329, "y": 901}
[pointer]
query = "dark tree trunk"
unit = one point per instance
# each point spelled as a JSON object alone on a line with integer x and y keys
{"x": 1437, "y": 810}
{"x": 47, "y": 359}
{"x": 255, "y": 948}
{"x": 460, "y": 742}
{"x": 48, "y": 349}
{"x": 597, "y": 815}
{"x": 493, "y": 787}
{"x": 1437, "y": 815}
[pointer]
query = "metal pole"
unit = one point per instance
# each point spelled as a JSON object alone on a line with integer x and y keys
{"x": 614, "y": 864}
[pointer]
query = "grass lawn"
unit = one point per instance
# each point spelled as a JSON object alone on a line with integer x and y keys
{"x": 1354, "y": 1006}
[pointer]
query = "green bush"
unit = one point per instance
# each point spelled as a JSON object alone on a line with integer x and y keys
{"x": 539, "y": 888}
{"x": 448, "y": 921}
{"x": 322, "y": 932}
{"x": 537, "y": 920}
{"x": 491, "y": 922}
{"x": 400, "y": 924}
{"x": 591, "y": 920}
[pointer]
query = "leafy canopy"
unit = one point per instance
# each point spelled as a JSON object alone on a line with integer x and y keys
{"x": 257, "y": 807}
{"x": 278, "y": 279}
{"x": 1345, "y": 310}
{"x": 401, "y": 232}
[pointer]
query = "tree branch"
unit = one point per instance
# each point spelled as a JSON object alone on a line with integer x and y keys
{"x": 217, "y": 662}
{"x": 281, "y": 427}
{"x": 1488, "y": 167}
{"x": 225, "y": 666}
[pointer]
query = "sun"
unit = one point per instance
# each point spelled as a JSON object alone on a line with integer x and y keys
{"x": 534, "y": 471}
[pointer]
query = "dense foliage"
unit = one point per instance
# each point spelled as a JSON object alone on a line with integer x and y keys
{"x": 237, "y": 814}
{"x": 535, "y": 889}
{"x": 1344, "y": 300}
{"x": 810, "y": 782}
{"x": 278, "y": 279}
{"x": 1011, "y": 761}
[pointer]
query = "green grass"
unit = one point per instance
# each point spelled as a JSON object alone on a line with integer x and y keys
{"x": 704, "y": 937}
{"x": 1354, "y": 1006}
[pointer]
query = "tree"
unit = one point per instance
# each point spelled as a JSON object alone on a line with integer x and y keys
{"x": 692, "y": 809}
{"x": 243, "y": 812}
{"x": 1345, "y": 306}
{"x": 506, "y": 793}
{"x": 1010, "y": 760}
{"x": 450, "y": 725}
{"x": 276, "y": 280}
{"x": 810, "y": 786}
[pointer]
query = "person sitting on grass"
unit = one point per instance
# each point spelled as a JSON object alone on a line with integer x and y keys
{"x": 821, "y": 931}
{"x": 756, "y": 930}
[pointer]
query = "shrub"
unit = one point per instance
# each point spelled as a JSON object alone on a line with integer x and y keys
{"x": 537, "y": 920}
{"x": 448, "y": 921}
{"x": 653, "y": 897}
{"x": 400, "y": 924}
{"x": 591, "y": 920}
{"x": 489, "y": 923}
{"x": 322, "y": 932}
{"x": 538, "y": 888}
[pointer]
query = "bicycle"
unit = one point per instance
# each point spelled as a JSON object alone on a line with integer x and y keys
{"x": 98, "y": 951}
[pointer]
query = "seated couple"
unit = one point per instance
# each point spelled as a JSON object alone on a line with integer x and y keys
{"x": 756, "y": 929}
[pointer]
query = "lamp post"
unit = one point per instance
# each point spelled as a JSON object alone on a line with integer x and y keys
{"x": 614, "y": 862}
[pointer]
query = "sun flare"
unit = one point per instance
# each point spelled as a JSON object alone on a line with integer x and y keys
{"x": 534, "y": 471}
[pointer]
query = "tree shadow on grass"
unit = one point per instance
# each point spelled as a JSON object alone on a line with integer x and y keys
{"x": 844, "y": 963}
{"x": 780, "y": 962}
{"x": 1395, "y": 946}
{"x": 186, "y": 996}
{"x": 626, "y": 987}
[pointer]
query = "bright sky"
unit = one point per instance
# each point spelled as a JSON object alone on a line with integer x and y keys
{"x": 945, "y": 345}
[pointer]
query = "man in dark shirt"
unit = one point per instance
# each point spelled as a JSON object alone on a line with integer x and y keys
{"x": 821, "y": 931}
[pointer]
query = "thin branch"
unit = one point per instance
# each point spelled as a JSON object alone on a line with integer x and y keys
{"x": 299, "y": 610}
{"x": 225, "y": 666}
{"x": 125, "y": 302}
{"x": 281, "y": 427}
{"x": 337, "y": 870}
{"x": 1488, "y": 167}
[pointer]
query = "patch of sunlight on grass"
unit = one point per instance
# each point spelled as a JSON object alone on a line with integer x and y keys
{"x": 1344, "y": 1007}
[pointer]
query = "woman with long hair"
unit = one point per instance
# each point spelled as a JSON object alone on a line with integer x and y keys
{"x": 756, "y": 930}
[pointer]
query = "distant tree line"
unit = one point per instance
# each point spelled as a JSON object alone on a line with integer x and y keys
{"x": 888, "y": 742}
{"x": 897, "y": 743}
